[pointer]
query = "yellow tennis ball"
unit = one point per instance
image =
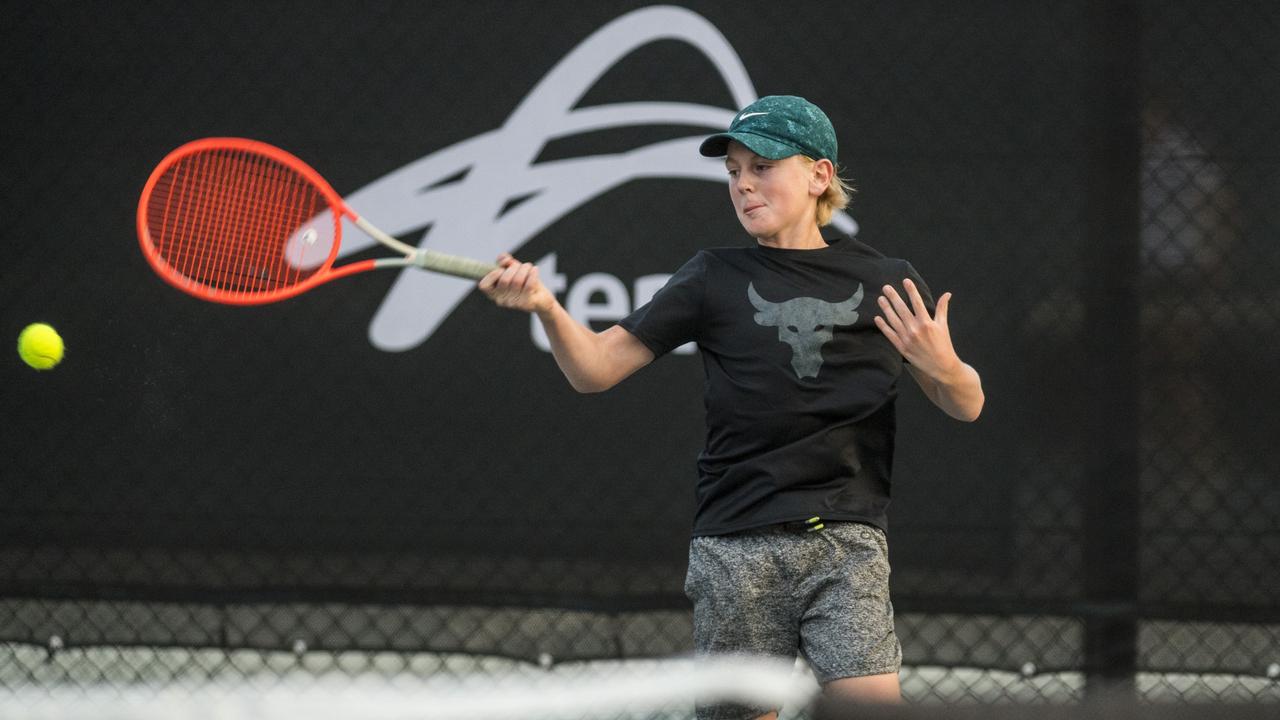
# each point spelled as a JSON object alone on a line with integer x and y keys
{"x": 40, "y": 346}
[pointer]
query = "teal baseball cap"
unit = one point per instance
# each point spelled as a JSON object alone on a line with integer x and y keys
{"x": 777, "y": 127}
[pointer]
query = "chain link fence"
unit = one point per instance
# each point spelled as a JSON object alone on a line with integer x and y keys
{"x": 1097, "y": 181}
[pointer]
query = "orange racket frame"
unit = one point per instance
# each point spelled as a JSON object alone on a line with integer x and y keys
{"x": 218, "y": 217}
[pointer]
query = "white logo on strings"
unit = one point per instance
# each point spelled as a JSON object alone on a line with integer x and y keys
{"x": 457, "y": 194}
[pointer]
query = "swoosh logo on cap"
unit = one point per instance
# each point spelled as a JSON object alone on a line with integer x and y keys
{"x": 744, "y": 116}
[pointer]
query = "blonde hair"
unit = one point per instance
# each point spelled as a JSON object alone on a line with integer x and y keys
{"x": 835, "y": 197}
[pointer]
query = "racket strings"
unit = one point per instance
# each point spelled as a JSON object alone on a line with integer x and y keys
{"x": 226, "y": 219}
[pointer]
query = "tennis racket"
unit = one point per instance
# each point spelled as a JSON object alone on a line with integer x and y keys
{"x": 242, "y": 222}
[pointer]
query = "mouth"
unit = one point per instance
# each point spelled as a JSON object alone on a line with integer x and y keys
{"x": 748, "y": 209}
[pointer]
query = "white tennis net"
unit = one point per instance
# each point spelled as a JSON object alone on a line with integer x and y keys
{"x": 663, "y": 689}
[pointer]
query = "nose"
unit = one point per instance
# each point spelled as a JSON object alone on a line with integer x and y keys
{"x": 742, "y": 183}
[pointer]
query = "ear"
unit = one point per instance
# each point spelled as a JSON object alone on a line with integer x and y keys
{"x": 820, "y": 179}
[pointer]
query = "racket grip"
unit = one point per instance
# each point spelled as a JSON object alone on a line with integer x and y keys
{"x": 452, "y": 264}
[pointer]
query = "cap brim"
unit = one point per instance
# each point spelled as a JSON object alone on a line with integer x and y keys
{"x": 718, "y": 146}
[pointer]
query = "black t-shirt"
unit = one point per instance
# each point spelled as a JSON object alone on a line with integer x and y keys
{"x": 800, "y": 383}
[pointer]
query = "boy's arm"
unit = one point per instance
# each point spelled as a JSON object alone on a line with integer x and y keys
{"x": 926, "y": 344}
{"x": 959, "y": 396}
{"x": 591, "y": 361}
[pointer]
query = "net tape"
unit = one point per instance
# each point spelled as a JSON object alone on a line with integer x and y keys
{"x": 610, "y": 692}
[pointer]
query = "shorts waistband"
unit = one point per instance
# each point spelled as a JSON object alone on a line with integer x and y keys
{"x": 810, "y": 525}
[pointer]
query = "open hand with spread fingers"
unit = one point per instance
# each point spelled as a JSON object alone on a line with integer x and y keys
{"x": 924, "y": 341}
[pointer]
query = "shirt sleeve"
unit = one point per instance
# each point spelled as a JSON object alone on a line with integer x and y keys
{"x": 674, "y": 315}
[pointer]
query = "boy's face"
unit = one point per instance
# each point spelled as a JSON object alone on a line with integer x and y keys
{"x": 772, "y": 197}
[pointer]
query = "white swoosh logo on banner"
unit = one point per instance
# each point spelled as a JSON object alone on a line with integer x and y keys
{"x": 464, "y": 215}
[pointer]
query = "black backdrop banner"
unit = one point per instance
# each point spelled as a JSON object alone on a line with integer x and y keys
{"x": 1095, "y": 182}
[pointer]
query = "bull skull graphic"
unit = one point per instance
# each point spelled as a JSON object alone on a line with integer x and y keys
{"x": 806, "y": 324}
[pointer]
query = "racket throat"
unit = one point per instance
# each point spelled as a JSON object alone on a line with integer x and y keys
{"x": 391, "y": 242}
{"x": 427, "y": 259}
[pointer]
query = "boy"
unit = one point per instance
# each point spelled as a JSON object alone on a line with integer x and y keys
{"x": 788, "y": 551}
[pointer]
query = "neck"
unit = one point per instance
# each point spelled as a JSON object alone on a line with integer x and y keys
{"x": 807, "y": 237}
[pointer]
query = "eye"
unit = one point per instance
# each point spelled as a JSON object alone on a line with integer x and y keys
{"x": 733, "y": 173}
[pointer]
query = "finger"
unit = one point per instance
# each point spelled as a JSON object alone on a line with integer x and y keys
{"x": 944, "y": 305}
{"x": 520, "y": 280}
{"x": 504, "y": 289}
{"x": 889, "y": 314}
{"x": 505, "y": 259}
{"x": 888, "y": 332}
{"x": 508, "y": 275}
{"x": 895, "y": 310}
{"x": 899, "y": 305}
{"x": 917, "y": 302}
{"x": 489, "y": 282}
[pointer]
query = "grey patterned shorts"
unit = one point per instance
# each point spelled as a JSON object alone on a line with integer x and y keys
{"x": 772, "y": 591}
